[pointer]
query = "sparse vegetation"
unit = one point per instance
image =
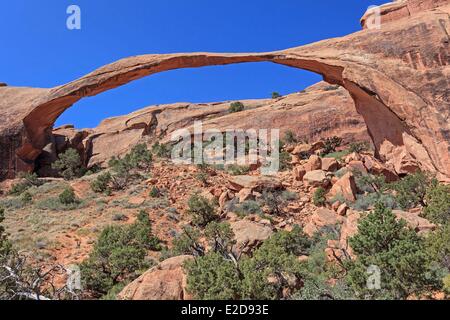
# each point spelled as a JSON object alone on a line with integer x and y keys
{"x": 248, "y": 207}
{"x": 201, "y": 210}
{"x": 101, "y": 183}
{"x": 290, "y": 137}
{"x": 67, "y": 197}
{"x": 236, "y": 107}
{"x": 161, "y": 150}
{"x": 237, "y": 170}
{"x": 69, "y": 165}
{"x": 118, "y": 255}
{"x": 276, "y": 95}
{"x": 331, "y": 144}
{"x": 359, "y": 147}
{"x": 319, "y": 197}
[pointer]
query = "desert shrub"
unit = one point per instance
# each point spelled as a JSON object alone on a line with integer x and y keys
{"x": 201, "y": 210}
{"x": 212, "y": 277}
{"x": 331, "y": 87}
{"x": 411, "y": 190}
{"x": 273, "y": 269}
{"x": 236, "y": 107}
{"x": 155, "y": 192}
{"x": 290, "y": 137}
{"x": 26, "y": 198}
{"x": 117, "y": 256}
{"x": 370, "y": 183}
{"x": 274, "y": 202}
{"x": 220, "y": 237}
{"x": 55, "y": 204}
{"x": 331, "y": 144}
{"x": 19, "y": 188}
{"x": 437, "y": 199}
{"x": 101, "y": 183}
{"x": 359, "y": 146}
{"x": 396, "y": 250}
{"x": 161, "y": 150}
{"x": 126, "y": 169}
{"x": 202, "y": 177}
{"x": 188, "y": 243}
{"x": 27, "y": 181}
{"x": 285, "y": 161}
{"x": 68, "y": 197}
{"x": 268, "y": 273}
{"x": 276, "y": 95}
{"x": 438, "y": 246}
{"x": 447, "y": 284}
{"x": 366, "y": 201}
{"x": 69, "y": 165}
{"x": 248, "y": 207}
{"x": 237, "y": 170}
{"x": 289, "y": 195}
{"x": 319, "y": 197}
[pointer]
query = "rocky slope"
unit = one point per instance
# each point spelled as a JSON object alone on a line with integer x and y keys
{"x": 397, "y": 76}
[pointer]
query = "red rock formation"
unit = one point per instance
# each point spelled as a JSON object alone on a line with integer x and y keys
{"x": 398, "y": 77}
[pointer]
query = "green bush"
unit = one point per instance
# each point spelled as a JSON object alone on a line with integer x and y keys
{"x": 248, "y": 207}
{"x": 274, "y": 202}
{"x": 359, "y": 146}
{"x": 438, "y": 246}
{"x": 411, "y": 190}
{"x": 26, "y": 197}
{"x": 319, "y": 199}
{"x": 236, "y": 107}
{"x": 101, "y": 183}
{"x": 212, "y": 277}
{"x": 268, "y": 273}
{"x": 437, "y": 199}
{"x": 161, "y": 150}
{"x": 290, "y": 137}
{"x": 331, "y": 144}
{"x": 188, "y": 243}
{"x": 202, "y": 177}
{"x": 285, "y": 161}
{"x": 276, "y": 95}
{"x": 201, "y": 210}
{"x": 396, "y": 250}
{"x": 365, "y": 202}
{"x": 155, "y": 192}
{"x": 237, "y": 170}
{"x": 118, "y": 256}
{"x": 68, "y": 197}
{"x": 69, "y": 165}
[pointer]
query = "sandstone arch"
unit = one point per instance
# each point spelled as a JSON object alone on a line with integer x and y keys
{"x": 398, "y": 77}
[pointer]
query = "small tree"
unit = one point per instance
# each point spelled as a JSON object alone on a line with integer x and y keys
{"x": 411, "y": 190}
{"x": 69, "y": 165}
{"x": 101, "y": 183}
{"x": 437, "y": 200}
{"x": 236, "y": 107}
{"x": 68, "y": 196}
{"x": 397, "y": 251}
{"x": 276, "y": 95}
{"x": 201, "y": 210}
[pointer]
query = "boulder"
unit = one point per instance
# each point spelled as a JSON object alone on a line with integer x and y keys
{"x": 249, "y": 234}
{"x": 345, "y": 186}
{"x": 321, "y": 218}
{"x": 299, "y": 172}
{"x": 244, "y": 195}
{"x": 330, "y": 164}
{"x": 415, "y": 222}
{"x": 314, "y": 163}
{"x": 254, "y": 183}
{"x": 316, "y": 178}
{"x": 166, "y": 281}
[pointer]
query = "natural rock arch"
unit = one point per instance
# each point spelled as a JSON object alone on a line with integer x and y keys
{"x": 399, "y": 86}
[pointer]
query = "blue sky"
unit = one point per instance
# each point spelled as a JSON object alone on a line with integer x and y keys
{"x": 38, "y": 50}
